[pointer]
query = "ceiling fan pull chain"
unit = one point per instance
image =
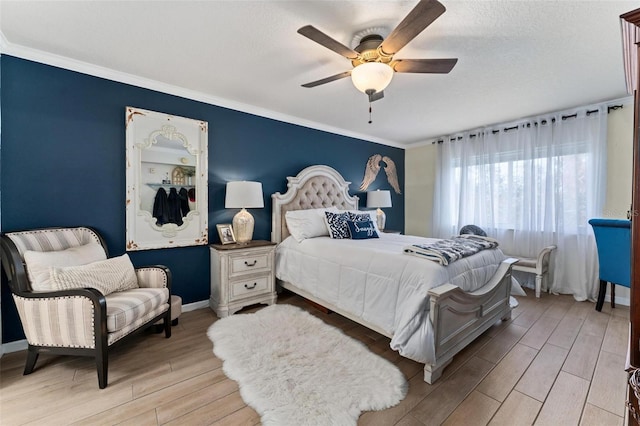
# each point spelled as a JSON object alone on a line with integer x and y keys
{"x": 369, "y": 112}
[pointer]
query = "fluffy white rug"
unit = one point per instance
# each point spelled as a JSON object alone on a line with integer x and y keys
{"x": 294, "y": 369}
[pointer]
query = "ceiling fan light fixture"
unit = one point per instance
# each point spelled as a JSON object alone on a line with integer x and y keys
{"x": 371, "y": 76}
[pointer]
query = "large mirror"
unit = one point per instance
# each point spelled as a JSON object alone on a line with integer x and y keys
{"x": 166, "y": 180}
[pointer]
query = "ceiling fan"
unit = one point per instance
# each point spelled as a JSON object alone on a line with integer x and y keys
{"x": 372, "y": 59}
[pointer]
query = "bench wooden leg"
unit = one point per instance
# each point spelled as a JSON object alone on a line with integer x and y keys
{"x": 538, "y": 285}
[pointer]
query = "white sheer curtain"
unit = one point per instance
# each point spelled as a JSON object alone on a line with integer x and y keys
{"x": 530, "y": 186}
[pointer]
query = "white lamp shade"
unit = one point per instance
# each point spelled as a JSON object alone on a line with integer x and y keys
{"x": 243, "y": 195}
{"x": 378, "y": 199}
{"x": 371, "y": 75}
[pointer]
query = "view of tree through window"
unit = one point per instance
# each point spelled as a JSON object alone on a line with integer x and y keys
{"x": 513, "y": 193}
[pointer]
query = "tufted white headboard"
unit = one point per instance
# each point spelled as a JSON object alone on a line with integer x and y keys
{"x": 315, "y": 187}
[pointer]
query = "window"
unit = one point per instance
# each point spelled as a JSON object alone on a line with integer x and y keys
{"x": 539, "y": 183}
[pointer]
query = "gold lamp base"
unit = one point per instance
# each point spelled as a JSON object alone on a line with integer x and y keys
{"x": 243, "y": 226}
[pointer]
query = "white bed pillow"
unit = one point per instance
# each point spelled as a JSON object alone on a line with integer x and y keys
{"x": 107, "y": 276}
{"x": 39, "y": 263}
{"x": 303, "y": 224}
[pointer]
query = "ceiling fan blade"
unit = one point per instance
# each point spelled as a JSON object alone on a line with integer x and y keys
{"x": 433, "y": 66}
{"x": 328, "y": 79}
{"x": 417, "y": 20}
{"x": 319, "y": 37}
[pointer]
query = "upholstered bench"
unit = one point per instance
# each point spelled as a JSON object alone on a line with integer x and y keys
{"x": 538, "y": 266}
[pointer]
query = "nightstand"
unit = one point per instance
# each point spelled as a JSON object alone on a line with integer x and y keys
{"x": 241, "y": 275}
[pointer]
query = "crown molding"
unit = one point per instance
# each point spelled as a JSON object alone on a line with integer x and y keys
{"x": 59, "y": 61}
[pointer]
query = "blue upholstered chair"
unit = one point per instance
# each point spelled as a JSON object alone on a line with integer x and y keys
{"x": 613, "y": 238}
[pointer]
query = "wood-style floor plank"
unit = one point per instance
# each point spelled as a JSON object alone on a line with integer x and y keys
{"x": 594, "y": 416}
{"x": 418, "y": 390}
{"x": 476, "y": 409}
{"x": 539, "y": 332}
{"x": 438, "y": 405}
{"x": 245, "y": 416}
{"x": 541, "y": 374}
{"x": 206, "y": 414}
{"x": 608, "y": 385}
{"x": 500, "y": 345}
{"x": 517, "y": 409}
{"x": 566, "y": 332}
{"x": 505, "y": 375}
{"x": 583, "y": 356}
{"x": 409, "y": 420}
{"x": 157, "y": 399}
{"x": 616, "y": 338}
{"x": 206, "y": 398}
{"x": 565, "y": 402}
{"x": 557, "y": 361}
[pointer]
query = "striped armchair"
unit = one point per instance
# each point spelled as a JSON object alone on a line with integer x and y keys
{"x": 80, "y": 321}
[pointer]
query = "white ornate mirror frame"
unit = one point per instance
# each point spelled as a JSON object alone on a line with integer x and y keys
{"x": 166, "y": 173}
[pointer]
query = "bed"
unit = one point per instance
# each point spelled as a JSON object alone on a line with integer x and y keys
{"x": 430, "y": 312}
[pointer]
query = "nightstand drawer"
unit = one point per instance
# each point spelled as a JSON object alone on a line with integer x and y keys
{"x": 250, "y": 287}
{"x": 250, "y": 263}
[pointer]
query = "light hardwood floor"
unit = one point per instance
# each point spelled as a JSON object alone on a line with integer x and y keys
{"x": 556, "y": 362}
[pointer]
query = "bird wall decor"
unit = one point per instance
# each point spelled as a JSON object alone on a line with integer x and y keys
{"x": 373, "y": 167}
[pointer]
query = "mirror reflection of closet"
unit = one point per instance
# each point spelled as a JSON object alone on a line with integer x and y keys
{"x": 165, "y": 164}
{"x": 166, "y": 180}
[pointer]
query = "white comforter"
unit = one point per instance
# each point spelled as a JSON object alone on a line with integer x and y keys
{"x": 374, "y": 280}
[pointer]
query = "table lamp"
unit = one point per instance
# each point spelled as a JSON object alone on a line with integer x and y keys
{"x": 243, "y": 195}
{"x": 378, "y": 199}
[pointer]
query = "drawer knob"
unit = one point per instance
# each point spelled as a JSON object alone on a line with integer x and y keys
{"x": 250, "y": 264}
{"x": 250, "y": 287}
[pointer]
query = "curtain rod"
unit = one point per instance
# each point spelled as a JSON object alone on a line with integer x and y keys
{"x": 543, "y": 122}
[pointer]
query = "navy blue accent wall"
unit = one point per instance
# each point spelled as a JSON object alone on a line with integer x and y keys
{"x": 63, "y": 164}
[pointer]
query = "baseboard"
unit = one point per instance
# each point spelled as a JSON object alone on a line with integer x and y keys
{"x": 197, "y": 305}
{"x": 15, "y": 346}
{"x": 624, "y": 301}
{"x": 20, "y": 345}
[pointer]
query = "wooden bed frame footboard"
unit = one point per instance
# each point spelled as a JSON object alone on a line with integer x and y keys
{"x": 459, "y": 317}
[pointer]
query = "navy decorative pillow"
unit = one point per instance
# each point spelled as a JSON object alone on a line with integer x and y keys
{"x": 363, "y": 216}
{"x": 362, "y": 230}
{"x": 359, "y": 217}
{"x": 337, "y": 225}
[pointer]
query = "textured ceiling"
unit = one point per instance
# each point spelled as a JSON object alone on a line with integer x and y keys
{"x": 516, "y": 58}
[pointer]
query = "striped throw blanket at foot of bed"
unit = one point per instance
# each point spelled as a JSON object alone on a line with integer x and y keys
{"x": 446, "y": 251}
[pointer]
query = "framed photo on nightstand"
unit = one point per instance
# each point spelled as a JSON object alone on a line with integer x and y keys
{"x": 225, "y": 231}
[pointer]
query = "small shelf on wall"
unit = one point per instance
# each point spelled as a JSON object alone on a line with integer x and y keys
{"x": 168, "y": 186}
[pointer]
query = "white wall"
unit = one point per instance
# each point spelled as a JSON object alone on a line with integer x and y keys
{"x": 619, "y": 175}
{"x": 619, "y": 163}
{"x": 420, "y": 175}
{"x": 419, "y": 181}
